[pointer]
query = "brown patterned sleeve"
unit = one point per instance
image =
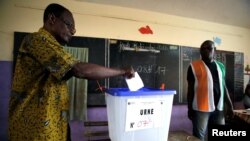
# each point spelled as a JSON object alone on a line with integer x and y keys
{"x": 51, "y": 55}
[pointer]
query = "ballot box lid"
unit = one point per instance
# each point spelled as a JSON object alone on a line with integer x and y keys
{"x": 141, "y": 92}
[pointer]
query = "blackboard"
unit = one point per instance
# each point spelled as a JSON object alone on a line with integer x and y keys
{"x": 97, "y": 53}
{"x": 238, "y": 76}
{"x": 156, "y": 64}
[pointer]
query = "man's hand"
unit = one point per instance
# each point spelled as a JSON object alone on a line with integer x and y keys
{"x": 190, "y": 114}
{"x": 229, "y": 114}
{"x": 129, "y": 72}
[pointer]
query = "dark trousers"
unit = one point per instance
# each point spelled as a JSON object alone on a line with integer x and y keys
{"x": 68, "y": 133}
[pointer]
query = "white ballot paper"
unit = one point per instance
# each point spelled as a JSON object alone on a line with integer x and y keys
{"x": 135, "y": 83}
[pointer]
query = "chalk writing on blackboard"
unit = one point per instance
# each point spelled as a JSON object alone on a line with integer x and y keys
{"x": 150, "y": 47}
{"x": 161, "y": 70}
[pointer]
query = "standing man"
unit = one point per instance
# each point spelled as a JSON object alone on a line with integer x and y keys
{"x": 39, "y": 102}
{"x": 207, "y": 91}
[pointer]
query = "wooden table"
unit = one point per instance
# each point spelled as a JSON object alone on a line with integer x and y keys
{"x": 243, "y": 115}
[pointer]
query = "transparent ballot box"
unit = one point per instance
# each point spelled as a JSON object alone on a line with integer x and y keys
{"x": 142, "y": 115}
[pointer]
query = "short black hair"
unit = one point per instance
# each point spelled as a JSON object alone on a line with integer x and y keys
{"x": 55, "y": 9}
{"x": 206, "y": 43}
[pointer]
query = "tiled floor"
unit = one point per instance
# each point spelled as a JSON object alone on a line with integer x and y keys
{"x": 181, "y": 136}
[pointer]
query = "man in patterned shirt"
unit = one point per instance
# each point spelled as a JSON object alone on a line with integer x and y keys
{"x": 39, "y": 98}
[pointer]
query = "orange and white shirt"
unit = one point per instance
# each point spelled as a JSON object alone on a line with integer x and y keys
{"x": 203, "y": 86}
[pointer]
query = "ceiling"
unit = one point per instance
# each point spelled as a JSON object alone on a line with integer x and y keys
{"x": 230, "y": 12}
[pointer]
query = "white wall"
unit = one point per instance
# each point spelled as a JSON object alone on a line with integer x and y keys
{"x": 95, "y": 20}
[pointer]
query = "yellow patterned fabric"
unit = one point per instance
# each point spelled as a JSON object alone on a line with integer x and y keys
{"x": 39, "y": 99}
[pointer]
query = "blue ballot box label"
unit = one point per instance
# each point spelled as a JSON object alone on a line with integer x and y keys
{"x": 144, "y": 113}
